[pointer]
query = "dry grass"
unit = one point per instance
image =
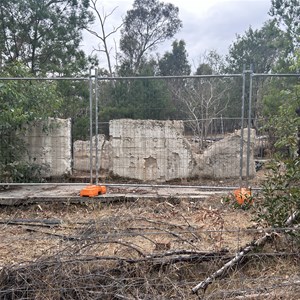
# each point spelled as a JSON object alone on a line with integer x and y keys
{"x": 148, "y": 249}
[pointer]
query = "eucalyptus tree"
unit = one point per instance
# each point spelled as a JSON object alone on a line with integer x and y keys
{"x": 44, "y": 35}
{"x": 148, "y": 24}
{"x": 265, "y": 49}
{"x": 287, "y": 12}
{"x": 175, "y": 62}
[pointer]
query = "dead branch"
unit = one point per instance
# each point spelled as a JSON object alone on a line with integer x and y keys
{"x": 63, "y": 237}
{"x": 32, "y": 222}
{"x": 240, "y": 255}
{"x": 204, "y": 284}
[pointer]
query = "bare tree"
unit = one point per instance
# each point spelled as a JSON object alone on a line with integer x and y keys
{"x": 102, "y": 35}
{"x": 201, "y": 100}
{"x": 204, "y": 100}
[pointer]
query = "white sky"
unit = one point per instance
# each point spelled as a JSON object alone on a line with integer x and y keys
{"x": 207, "y": 24}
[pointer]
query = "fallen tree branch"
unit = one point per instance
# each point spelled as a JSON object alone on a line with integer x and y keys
{"x": 204, "y": 284}
{"x": 171, "y": 257}
{"x": 32, "y": 222}
{"x": 60, "y": 236}
{"x": 238, "y": 257}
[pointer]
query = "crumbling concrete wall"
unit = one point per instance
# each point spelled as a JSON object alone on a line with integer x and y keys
{"x": 147, "y": 150}
{"x": 150, "y": 150}
{"x": 222, "y": 159}
{"x": 49, "y": 143}
{"x": 81, "y": 154}
{"x": 157, "y": 150}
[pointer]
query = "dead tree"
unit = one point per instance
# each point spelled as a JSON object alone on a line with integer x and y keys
{"x": 102, "y": 35}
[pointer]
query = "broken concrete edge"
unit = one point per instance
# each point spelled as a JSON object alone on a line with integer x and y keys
{"x": 13, "y": 201}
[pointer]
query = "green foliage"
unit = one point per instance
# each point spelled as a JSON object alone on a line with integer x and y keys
{"x": 21, "y": 102}
{"x": 264, "y": 48}
{"x": 146, "y": 25}
{"x": 21, "y": 171}
{"x": 284, "y": 122}
{"x": 175, "y": 62}
{"x": 44, "y": 35}
{"x": 280, "y": 192}
{"x": 287, "y": 12}
{"x": 75, "y": 105}
{"x": 137, "y": 99}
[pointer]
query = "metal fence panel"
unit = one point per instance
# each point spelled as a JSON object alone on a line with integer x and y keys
{"x": 144, "y": 129}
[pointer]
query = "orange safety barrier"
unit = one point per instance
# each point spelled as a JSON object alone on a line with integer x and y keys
{"x": 242, "y": 195}
{"x": 93, "y": 191}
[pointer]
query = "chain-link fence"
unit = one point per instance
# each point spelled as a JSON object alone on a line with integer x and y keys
{"x": 139, "y": 129}
{"x": 159, "y": 241}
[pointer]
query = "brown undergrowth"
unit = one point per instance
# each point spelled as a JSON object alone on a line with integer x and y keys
{"x": 147, "y": 249}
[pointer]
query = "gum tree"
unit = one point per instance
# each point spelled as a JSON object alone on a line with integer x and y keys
{"x": 44, "y": 35}
{"x": 148, "y": 24}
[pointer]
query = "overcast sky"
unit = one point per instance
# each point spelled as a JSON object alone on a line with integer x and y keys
{"x": 207, "y": 24}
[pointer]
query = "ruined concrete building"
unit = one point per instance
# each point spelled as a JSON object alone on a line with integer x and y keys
{"x": 147, "y": 150}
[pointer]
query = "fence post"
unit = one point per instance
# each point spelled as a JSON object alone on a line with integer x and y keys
{"x": 91, "y": 126}
{"x": 249, "y": 124}
{"x": 242, "y": 125}
{"x": 96, "y": 126}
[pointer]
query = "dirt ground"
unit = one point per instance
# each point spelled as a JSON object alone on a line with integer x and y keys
{"x": 43, "y": 224}
{"x": 155, "y": 245}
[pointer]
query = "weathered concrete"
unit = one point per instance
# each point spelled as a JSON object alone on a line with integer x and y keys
{"x": 81, "y": 153}
{"x": 49, "y": 143}
{"x": 222, "y": 159}
{"x": 26, "y": 195}
{"x": 147, "y": 150}
{"x": 150, "y": 150}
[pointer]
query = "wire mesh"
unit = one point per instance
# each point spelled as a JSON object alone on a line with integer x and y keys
{"x": 41, "y": 118}
{"x": 164, "y": 129}
{"x": 157, "y": 130}
{"x": 142, "y": 129}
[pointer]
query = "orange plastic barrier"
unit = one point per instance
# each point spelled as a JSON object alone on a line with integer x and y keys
{"x": 241, "y": 195}
{"x": 93, "y": 191}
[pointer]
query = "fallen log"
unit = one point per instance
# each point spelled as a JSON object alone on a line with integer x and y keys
{"x": 240, "y": 255}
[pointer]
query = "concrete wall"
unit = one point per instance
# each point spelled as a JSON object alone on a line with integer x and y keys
{"x": 147, "y": 150}
{"x": 222, "y": 159}
{"x": 49, "y": 143}
{"x": 81, "y": 153}
{"x": 150, "y": 150}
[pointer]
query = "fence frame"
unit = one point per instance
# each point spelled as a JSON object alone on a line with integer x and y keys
{"x": 247, "y": 74}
